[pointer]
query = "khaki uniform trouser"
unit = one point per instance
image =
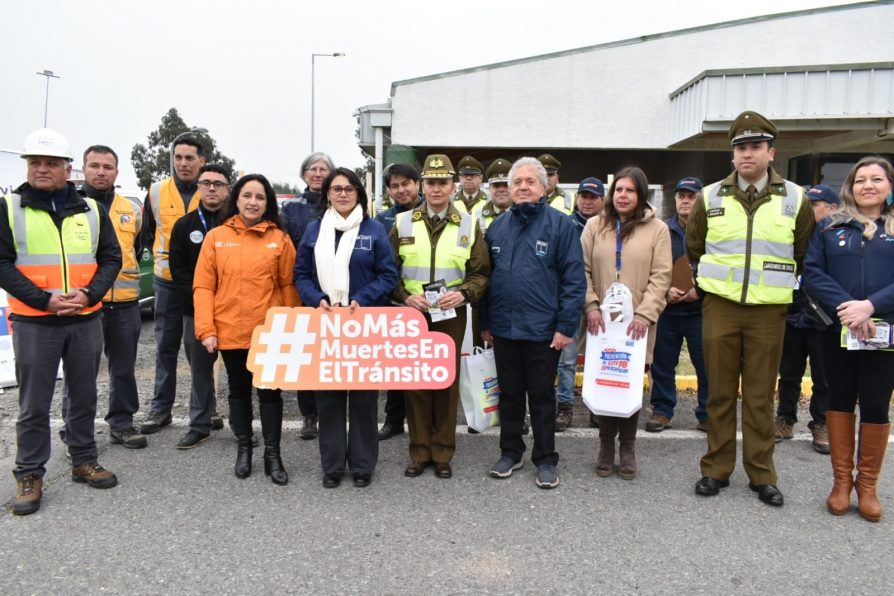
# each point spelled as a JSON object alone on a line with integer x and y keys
{"x": 741, "y": 342}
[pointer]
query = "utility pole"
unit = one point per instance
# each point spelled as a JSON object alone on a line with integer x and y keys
{"x": 46, "y": 101}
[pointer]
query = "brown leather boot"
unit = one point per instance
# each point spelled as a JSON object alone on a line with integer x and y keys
{"x": 873, "y": 443}
{"x": 605, "y": 462}
{"x": 626, "y": 441}
{"x": 563, "y": 417}
{"x": 27, "y": 500}
{"x": 841, "y": 447}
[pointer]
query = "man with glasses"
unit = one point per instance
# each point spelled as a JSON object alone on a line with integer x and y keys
{"x": 169, "y": 200}
{"x": 186, "y": 242}
{"x": 402, "y": 182}
{"x": 470, "y": 198}
{"x": 555, "y": 196}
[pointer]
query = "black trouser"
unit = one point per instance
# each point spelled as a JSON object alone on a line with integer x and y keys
{"x": 866, "y": 376}
{"x": 527, "y": 367}
{"x": 799, "y": 344}
{"x": 395, "y": 408}
{"x": 239, "y": 382}
{"x": 307, "y": 403}
{"x": 359, "y": 443}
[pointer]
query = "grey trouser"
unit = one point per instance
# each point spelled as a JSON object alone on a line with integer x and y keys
{"x": 168, "y": 333}
{"x": 202, "y": 399}
{"x": 38, "y": 349}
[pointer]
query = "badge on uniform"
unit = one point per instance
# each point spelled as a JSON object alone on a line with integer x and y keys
{"x": 125, "y": 218}
{"x": 716, "y": 212}
{"x": 541, "y": 248}
{"x": 495, "y": 250}
{"x": 786, "y": 267}
{"x": 464, "y": 241}
{"x": 404, "y": 240}
{"x": 196, "y": 237}
{"x": 363, "y": 243}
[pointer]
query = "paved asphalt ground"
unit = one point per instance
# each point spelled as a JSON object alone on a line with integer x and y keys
{"x": 181, "y": 522}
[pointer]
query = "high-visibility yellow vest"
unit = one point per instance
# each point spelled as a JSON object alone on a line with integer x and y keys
{"x": 55, "y": 261}
{"x": 127, "y": 219}
{"x": 561, "y": 200}
{"x": 418, "y": 266}
{"x": 167, "y": 208}
{"x": 487, "y": 217}
{"x": 750, "y": 259}
{"x": 460, "y": 204}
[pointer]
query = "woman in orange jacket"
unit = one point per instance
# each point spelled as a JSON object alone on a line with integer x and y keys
{"x": 244, "y": 268}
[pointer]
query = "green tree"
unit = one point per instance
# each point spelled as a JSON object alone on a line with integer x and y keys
{"x": 153, "y": 162}
{"x": 284, "y": 188}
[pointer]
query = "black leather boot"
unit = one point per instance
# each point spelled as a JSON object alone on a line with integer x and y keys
{"x": 271, "y": 428}
{"x": 240, "y": 421}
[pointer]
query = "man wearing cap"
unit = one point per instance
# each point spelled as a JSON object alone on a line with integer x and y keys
{"x": 470, "y": 198}
{"x": 402, "y": 182}
{"x": 58, "y": 257}
{"x": 681, "y": 319}
{"x": 500, "y": 201}
{"x": 436, "y": 244}
{"x": 555, "y": 196}
{"x": 530, "y": 313}
{"x": 590, "y": 200}
{"x": 746, "y": 240}
{"x": 169, "y": 200}
{"x": 802, "y": 336}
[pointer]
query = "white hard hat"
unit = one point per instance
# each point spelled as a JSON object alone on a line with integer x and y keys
{"x": 48, "y": 143}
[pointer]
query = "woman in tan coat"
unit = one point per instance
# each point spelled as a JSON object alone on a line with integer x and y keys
{"x": 644, "y": 266}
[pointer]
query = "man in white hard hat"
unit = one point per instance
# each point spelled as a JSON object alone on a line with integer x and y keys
{"x": 58, "y": 257}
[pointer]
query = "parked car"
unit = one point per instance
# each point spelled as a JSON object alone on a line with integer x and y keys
{"x": 147, "y": 292}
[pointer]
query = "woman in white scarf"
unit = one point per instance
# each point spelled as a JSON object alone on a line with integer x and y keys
{"x": 345, "y": 259}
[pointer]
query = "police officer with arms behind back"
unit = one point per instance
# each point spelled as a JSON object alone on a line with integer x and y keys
{"x": 746, "y": 238}
{"x": 58, "y": 257}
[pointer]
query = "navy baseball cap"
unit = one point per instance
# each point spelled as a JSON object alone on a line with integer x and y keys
{"x": 821, "y": 192}
{"x": 593, "y": 186}
{"x": 691, "y": 184}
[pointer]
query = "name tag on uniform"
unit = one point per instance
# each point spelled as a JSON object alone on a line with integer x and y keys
{"x": 363, "y": 243}
{"x": 786, "y": 267}
{"x": 716, "y": 212}
{"x": 404, "y": 240}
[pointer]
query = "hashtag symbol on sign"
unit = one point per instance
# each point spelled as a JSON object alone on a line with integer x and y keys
{"x": 284, "y": 347}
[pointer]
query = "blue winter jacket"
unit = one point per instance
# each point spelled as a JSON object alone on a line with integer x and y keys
{"x": 537, "y": 284}
{"x": 841, "y": 265}
{"x": 372, "y": 269}
{"x": 299, "y": 212}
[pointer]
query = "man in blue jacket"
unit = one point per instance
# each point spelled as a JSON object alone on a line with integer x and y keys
{"x": 530, "y": 313}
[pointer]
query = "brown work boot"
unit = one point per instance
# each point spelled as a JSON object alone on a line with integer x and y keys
{"x": 820, "y": 438}
{"x": 563, "y": 417}
{"x": 873, "y": 443}
{"x": 657, "y": 423}
{"x": 605, "y": 461}
{"x": 27, "y": 500}
{"x": 94, "y": 475}
{"x": 784, "y": 429}
{"x": 841, "y": 446}
{"x": 626, "y": 442}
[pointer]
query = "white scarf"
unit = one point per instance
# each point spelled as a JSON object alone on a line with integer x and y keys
{"x": 332, "y": 265}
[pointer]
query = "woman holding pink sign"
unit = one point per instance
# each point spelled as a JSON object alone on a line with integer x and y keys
{"x": 345, "y": 259}
{"x": 627, "y": 244}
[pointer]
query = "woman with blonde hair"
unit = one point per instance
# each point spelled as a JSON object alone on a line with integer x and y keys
{"x": 848, "y": 271}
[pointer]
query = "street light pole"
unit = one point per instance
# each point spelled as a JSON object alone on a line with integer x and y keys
{"x": 46, "y": 100}
{"x": 312, "y": 94}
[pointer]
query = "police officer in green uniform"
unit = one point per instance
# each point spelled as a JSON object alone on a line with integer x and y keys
{"x": 555, "y": 196}
{"x": 746, "y": 240}
{"x": 470, "y": 198}
{"x": 500, "y": 201}
{"x": 436, "y": 242}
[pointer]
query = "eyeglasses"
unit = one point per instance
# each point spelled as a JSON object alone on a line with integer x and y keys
{"x": 215, "y": 183}
{"x": 337, "y": 190}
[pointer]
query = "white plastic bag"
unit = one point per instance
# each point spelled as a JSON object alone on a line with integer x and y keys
{"x": 479, "y": 389}
{"x": 615, "y": 364}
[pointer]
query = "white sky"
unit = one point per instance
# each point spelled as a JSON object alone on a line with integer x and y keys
{"x": 242, "y": 69}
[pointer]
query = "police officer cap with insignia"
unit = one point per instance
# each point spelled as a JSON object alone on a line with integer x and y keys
{"x": 498, "y": 171}
{"x": 751, "y": 127}
{"x": 470, "y": 165}
{"x": 550, "y": 163}
{"x": 438, "y": 165}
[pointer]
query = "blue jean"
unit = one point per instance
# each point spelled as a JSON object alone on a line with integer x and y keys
{"x": 567, "y": 371}
{"x": 668, "y": 343}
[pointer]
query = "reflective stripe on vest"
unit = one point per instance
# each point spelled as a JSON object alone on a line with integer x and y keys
{"x": 759, "y": 269}
{"x": 127, "y": 219}
{"x": 451, "y": 254}
{"x": 561, "y": 201}
{"x": 54, "y": 260}
{"x": 167, "y": 207}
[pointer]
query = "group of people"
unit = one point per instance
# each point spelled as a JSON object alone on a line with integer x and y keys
{"x": 530, "y": 264}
